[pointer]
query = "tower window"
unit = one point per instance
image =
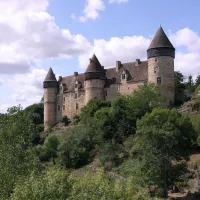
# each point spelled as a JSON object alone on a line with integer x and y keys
{"x": 76, "y": 95}
{"x": 76, "y": 106}
{"x": 64, "y": 99}
{"x": 63, "y": 107}
{"x": 76, "y": 85}
{"x": 58, "y": 107}
{"x": 123, "y": 76}
{"x": 158, "y": 80}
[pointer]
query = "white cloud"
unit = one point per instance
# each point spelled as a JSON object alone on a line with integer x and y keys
{"x": 1, "y": 81}
{"x": 118, "y": 1}
{"x": 125, "y": 49}
{"x": 4, "y": 108}
{"x": 186, "y": 37}
{"x": 28, "y": 89}
{"x": 30, "y": 34}
{"x": 92, "y": 9}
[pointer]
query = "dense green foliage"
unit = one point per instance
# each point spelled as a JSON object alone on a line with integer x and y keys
{"x": 52, "y": 185}
{"x": 57, "y": 184}
{"x": 162, "y": 136}
{"x": 17, "y": 159}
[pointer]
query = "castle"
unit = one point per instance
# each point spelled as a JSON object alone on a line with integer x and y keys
{"x": 69, "y": 94}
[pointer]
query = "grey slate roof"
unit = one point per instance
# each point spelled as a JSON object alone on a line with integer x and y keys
{"x": 135, "y": 74}
{"x": 50, "y": 76}
{"x": 94, "y": 65}
{"x": 160, "y": 40}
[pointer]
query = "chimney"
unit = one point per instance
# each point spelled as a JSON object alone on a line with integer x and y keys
{"x": 137, "y": 62}
{"x": 59, "y": 78}
{"x": 118, "y": 65}
{"x": 75, "y": 74}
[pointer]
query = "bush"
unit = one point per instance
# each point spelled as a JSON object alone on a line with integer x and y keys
{"x": 40, "y": 127}
{"x": 76, "y": 119}
{"x": 65, "y": 120}
{"x": 51, "y": 185}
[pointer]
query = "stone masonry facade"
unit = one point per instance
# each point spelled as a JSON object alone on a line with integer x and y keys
{"x": 68, "y": 95}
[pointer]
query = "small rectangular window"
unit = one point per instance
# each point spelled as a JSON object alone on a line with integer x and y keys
{"x": 76, "y": 106}
{"x": 118, "y": 88}
{"x": 123, "y": 76}
{"x": 64, "y": 99}
{"x": 105, "y": 92}
{"x": 76, "y": 85}
{"x": 58, "y": 107}
{"x": 63, "y": 107}
{"x": 158, "y": 80}
{"x": 76, "y": 95}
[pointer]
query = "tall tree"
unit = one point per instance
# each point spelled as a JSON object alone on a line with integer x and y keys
{"x": 162, "y": 137}
{"x": 17, "y": 159}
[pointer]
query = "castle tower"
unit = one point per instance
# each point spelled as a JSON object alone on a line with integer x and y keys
{"x": 50, "y": 92}
{"x": 161, "y": 54}
{"x": 94, "y": 80}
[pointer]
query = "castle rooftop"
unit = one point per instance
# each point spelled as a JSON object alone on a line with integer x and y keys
{"x": 160, "y": 40}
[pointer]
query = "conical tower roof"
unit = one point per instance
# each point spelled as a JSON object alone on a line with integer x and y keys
{"x": 160, "y": 40}
{"x": 94, "y": 65}
{"x": 50, "y": 76}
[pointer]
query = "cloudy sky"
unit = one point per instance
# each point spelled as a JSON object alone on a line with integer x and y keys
{"x": 37, "y": 34}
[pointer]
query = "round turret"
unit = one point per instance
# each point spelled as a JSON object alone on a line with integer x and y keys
{"x": 50, "y": 85}
{"x": 161, "y": 54}
{"x": 94, "y": 80}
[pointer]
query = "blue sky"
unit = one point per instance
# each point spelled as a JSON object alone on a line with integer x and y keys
{"x": 37, "y": 34}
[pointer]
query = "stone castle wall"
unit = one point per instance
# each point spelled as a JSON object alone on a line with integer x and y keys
{"x": 162, "y": 67}
{"x": 50, "y": 107}
{"x": 71, "y": 106}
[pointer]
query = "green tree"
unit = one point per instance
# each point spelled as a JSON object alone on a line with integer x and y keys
{"x": 162, "y": 136}
{"x": 90, "y": 109}
{"x": 17, "y": 158}
{"x": 197, "y": 81}
{"x": 75, "y": 150}
{"x": 178, "y": 82}
{"x": 51, "y": 147}
{"x": 190, "y": 86}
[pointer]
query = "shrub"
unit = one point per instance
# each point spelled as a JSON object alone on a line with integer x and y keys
{"x": 76, "y": 119}
{"x": 53, "y": 184}
{"x": 65, "y": 120}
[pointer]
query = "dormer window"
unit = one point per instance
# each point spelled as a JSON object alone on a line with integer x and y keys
{"x": 123, "y": 76}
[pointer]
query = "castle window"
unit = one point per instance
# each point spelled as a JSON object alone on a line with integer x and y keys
{"x": 156, "y": 60}
{"x": 76, "y": 85}
{"x": 158, "y": 80}
{"x": 58, "y": 107}
{"x": 123, "y": 76}
{"x": 105, "y": 92}
{"x": 63, "y": 107}
{"x": 64, "y": 99}
{"x": 76, "y": 106}
{"x": 76, "y": 95}
{"x": 118, "y": 88}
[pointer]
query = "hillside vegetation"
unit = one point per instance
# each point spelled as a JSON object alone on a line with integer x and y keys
{"x": 133, "y": 148}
